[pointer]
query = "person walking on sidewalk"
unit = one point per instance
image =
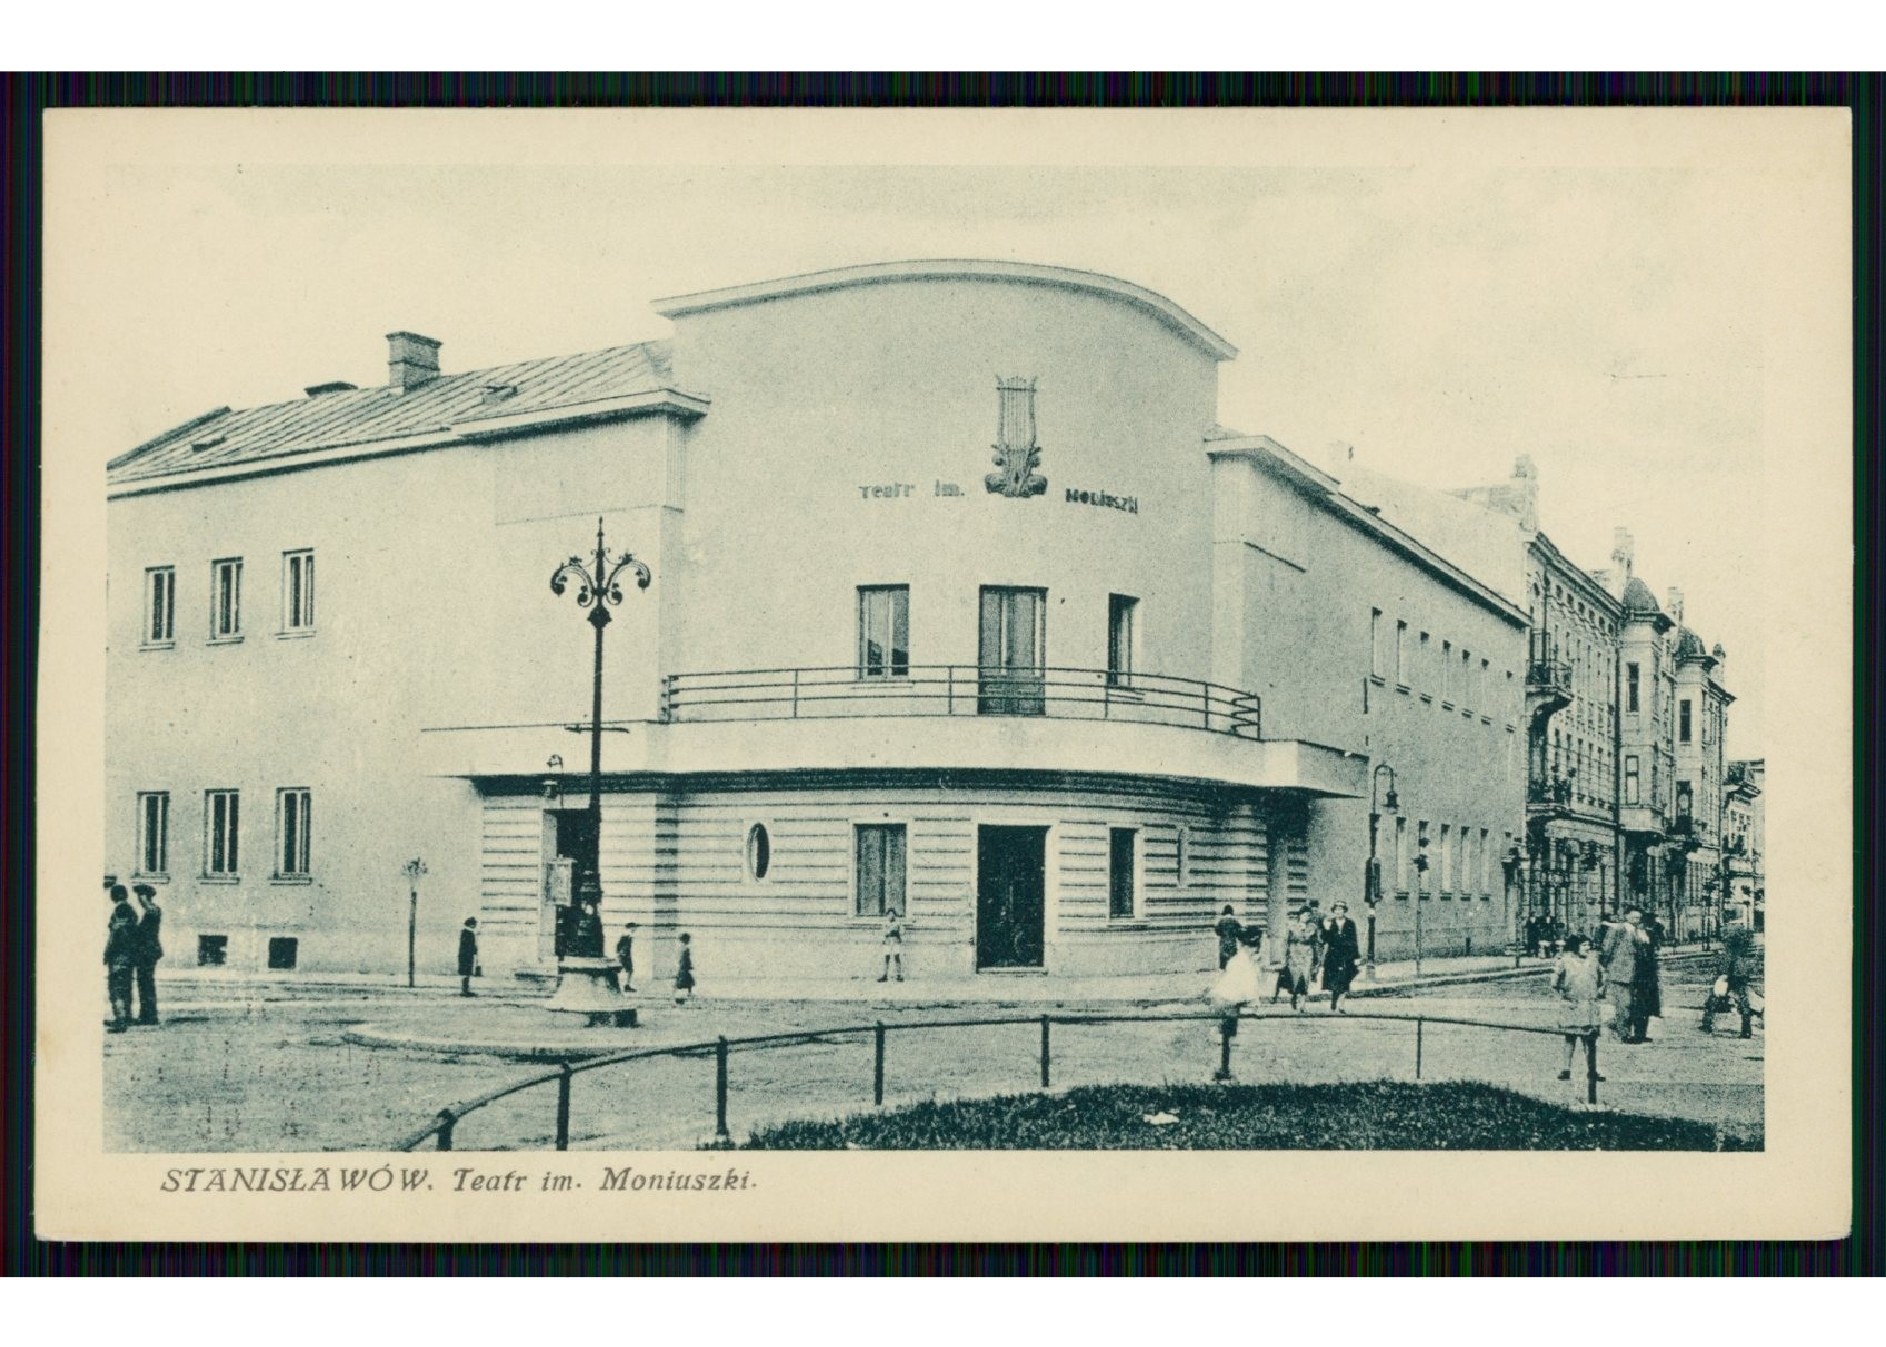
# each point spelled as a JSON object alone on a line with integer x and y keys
{"x": 1734, "y": 965}
{"x": 1230, "y": 936}
{"x": 625, "y": 959}
{"x": 1303, "y": 952}
{"x": 467, "y": 955}
{"x": 148, "y": 948}
{"x": 684, "y": 972}
{"x": 1341, "y": 953}
{"x": 120, "y": 957}
{"x": 1647, "y": 995}
{"x": 1579, "y": 980}
{"x": 1622, "y": 940}
{"x": 893, "y": 943}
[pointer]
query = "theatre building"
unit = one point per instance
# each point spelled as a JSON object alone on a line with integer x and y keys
{"x": 960, "y": 602}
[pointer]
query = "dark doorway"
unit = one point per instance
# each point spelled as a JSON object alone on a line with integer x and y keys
{"x": 1011, "y": 903}
{"x": 572, "y": 829}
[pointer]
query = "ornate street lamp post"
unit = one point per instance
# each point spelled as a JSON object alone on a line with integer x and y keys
{"x": 584, "y": 977}
{"x": 413, "y": 869}
{"x": 1372, "y": 876}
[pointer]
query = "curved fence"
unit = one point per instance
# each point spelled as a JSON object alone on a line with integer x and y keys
{"x": 721, "y": 1050}
{"x": 962, "y": 690}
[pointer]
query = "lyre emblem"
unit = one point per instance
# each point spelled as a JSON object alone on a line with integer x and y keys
{"x": 1016, "y": 453}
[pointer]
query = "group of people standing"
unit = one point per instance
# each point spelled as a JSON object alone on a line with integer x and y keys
{"x": 1315, "y": 952}
{"x": 133, "y": 947}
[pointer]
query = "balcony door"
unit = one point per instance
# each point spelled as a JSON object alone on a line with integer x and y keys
{"x": 1013, "y": 648}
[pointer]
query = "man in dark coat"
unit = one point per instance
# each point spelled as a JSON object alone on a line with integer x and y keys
{"x": 1340, "y": 953}
{"x": 148, "y": 949}
{"x": 120, "y": 957}
{"x": 1647, "y": 997}
{"x": 1230, "y": 934}
{"x": 467, "y": 955}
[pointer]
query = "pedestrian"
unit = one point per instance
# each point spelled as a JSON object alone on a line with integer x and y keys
{"x": 1532, "y": 936}
{"x": 1302, "y": 955}
{"x": 1340, "y": 954}
{"x": 467, "y": 955}
{"x": 893, "y": 943}
{"x": 148, "y": 949}
{"x": 1733, "y": 967}
{"x": 1647, "y": 995}
{"x": 625, "y": 959}
{"x": 1230, "y": 936}
{"x": 120, "y": 957}
{"x": 684, "y": 972}
{"x": 1579, "y": 980}
{"x": 1619, "y": 960}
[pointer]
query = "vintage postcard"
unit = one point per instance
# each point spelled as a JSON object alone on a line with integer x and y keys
{"x": 847, "y": 675}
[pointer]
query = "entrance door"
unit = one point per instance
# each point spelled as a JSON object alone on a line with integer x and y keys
{"x": 1013, "y": 649}
{"x": 567, "y": 837}
{"x": 1011, "y": 897}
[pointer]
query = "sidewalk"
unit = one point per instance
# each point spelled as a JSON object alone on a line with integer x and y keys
{"x": 194, "y": 987}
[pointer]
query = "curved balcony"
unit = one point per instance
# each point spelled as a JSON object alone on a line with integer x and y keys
{"x": 949, "y": 690}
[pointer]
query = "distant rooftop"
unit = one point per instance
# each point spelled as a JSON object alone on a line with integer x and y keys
{"x": 338, "y": 416}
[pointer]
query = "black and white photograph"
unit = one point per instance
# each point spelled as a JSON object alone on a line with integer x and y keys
{"x": 616, "y": 636}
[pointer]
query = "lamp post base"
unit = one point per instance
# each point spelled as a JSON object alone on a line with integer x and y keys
{"x": 587, "y": 987}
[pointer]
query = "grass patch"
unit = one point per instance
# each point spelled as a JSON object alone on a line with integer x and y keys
{"x": 1383, "y": 1115}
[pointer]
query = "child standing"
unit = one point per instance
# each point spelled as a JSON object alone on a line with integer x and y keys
{"x": 1579, "y": 980}
{"x": 893, "y": 944}
{"x": 684, "y": 972}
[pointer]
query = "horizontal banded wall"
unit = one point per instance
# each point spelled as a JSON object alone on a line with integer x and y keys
{"x": 679, "y": 861}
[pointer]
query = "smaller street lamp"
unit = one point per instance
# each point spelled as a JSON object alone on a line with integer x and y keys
{"x": 413, "y": 869}
{"x": 1372, "y": 875}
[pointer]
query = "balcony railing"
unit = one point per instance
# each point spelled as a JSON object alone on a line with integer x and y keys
{"x": 1549, "y": 676}
{"x": 962, "y": 690}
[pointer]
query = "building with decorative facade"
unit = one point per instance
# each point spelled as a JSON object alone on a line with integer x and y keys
{"x": 1058, "y": 709}
{"x": 1745, "y": 841}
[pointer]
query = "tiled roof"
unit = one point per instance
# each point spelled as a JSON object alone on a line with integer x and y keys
{"x": 363, "y": 416}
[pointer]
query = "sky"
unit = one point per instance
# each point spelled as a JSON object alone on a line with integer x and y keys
{"x": 1442, "y": 312}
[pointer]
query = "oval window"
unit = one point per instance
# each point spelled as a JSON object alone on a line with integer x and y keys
{"x": 759, "y": 851}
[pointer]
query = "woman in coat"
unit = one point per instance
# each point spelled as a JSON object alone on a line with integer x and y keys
{"x": 1303, "y": 952}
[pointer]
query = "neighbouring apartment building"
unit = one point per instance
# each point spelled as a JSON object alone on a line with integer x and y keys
{"x": 962, "y": 603}
{"x": 1745, "y": 842}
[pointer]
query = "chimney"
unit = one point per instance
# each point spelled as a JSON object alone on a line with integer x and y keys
{"x": 1525, "y": 485}
{"x": 411, "y": 360}
{"x": 1721, "y": 657}
{"x": 1673, "y": 603}
{"x": 1623, "y": 551}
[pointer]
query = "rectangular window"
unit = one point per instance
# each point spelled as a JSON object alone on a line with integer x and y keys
{"x": 1120, "y": 614}
{"x": 1401, "y": 858}
{"x": 283, "y": 951}
{"x": 1375, "y": 642}
{"x": 1466, "y": 677}
{"x": 883, "y": 631}
{"x": 221, "y": 826}
{"x": 1480, "y": 698}
{"x": 1683, "y": 721}
{"x": 1630, "y": 779}
{"x": 292, "y": 823}
{"x": 226, "y": 599}
{"x": 1421, "y": 857}
{"x": 160, "y": 605}
{"x": 1447, "y": 860}
{"x": 1447, "y": 673}
{"x": 880, "y": 848}
{"x": 1401, "y": 654}
{"x": 1486, "y": 865}
{"x": 154, "y": 833}
{"x": 1630, "y": 688}
{"x": 298, "y": 590}
{"x": 1122, "y": 893}
{"x": 212, "y": 951}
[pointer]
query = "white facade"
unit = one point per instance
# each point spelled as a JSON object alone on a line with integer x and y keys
{"x": 1075, "y": 722}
